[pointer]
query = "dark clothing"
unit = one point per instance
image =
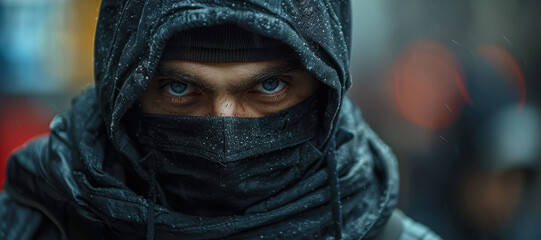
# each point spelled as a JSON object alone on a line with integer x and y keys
{"x": 86, "y": 180}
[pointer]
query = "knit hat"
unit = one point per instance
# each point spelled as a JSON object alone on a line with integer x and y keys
{"x": 225, "y": 43}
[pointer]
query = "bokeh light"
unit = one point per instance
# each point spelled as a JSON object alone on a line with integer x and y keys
{"x": 428, "y": 85}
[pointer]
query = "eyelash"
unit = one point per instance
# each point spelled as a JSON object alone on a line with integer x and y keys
{"x": 269, "y": 97}
{"x": 274, "y": 96}
{"x": 178, "y": 99}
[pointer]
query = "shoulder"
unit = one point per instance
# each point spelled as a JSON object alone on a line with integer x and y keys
{"x": 40, "y": 179}
{"x": 20, "y": 222}
{"x": 401, "y": 227}
{"x": 415, "y": 230}
{"x": 41, "y": 157}
{"x": 67, "y": 130}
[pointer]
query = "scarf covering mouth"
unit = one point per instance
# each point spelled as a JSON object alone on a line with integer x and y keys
{"x": 227, "y": 139}
{"x": 212, "y": 166}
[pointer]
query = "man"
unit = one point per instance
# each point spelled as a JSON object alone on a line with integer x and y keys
{"x": 211, "y": 120}
{"x": 486, "y": 192}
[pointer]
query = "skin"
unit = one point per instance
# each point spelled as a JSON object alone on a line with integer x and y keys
{"x": 241, "y": 89}
{"x": 489, "y": 199}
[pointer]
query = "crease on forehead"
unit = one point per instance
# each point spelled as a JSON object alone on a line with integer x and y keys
{"x": 194, "y": 73}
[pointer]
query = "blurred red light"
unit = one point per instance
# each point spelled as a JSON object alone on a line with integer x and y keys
{"x": 20, "y": 120}
{"x": 428, "y": 87}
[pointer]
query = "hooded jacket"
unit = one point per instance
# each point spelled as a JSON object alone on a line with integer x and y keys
{"x": 78, "y": 182}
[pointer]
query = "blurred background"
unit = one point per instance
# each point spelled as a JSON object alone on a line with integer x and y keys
{"x": 452, "y": 86}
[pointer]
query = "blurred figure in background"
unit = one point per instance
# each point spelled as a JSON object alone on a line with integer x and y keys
{"x": 482, "y": 173}
{"x": 500, "y": 157}
{"x": 421, "y": 109}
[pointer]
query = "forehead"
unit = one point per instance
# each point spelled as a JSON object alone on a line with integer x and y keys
{"x": 239, "y": 68}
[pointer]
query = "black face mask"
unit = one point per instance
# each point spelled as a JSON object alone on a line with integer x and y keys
{"x": 223, "y": 165}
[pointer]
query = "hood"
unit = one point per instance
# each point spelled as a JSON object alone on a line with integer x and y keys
{"x": 131, "y": 37}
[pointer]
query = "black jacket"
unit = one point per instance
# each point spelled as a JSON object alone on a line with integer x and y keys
{"x": 78, "y": 183}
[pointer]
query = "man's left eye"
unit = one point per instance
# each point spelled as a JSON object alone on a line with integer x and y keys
{"x": 271, "y": 85}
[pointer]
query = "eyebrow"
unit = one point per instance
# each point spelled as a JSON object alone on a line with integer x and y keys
{"x": 167, "y": 70}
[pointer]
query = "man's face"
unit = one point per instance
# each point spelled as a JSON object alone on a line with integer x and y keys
{"x": 242, "y": 89}
{"x": 489, "y": 199}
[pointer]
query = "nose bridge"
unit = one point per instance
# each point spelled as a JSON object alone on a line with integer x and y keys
{"x": 225, "y": 106}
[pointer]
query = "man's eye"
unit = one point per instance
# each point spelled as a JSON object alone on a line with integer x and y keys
{"x": 271, "y": 85}
{"x": 178, "y": 89}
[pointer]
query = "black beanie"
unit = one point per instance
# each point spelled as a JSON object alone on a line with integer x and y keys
{"x": 225, "y": 43}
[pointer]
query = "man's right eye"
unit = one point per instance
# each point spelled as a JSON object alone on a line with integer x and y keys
{"x": 178, "y": 89}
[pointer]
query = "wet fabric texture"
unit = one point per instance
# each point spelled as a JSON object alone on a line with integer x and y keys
{"x": 212, "y": 166}
{"x": 226, "y": 139}
{"x": 88, "y": 179}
